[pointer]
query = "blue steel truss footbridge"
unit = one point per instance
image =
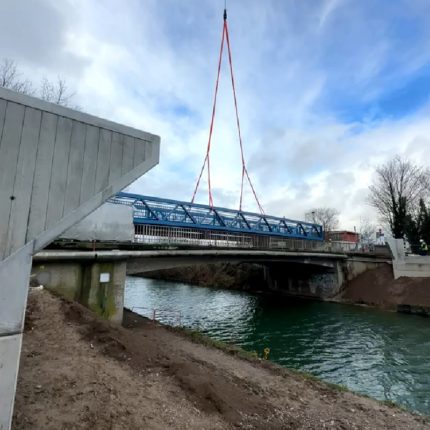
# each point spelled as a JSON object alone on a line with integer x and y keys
{"x": 179, "y": 216}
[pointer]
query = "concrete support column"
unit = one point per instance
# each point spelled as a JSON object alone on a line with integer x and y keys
{"x": 97, "y": 285}
{"x": 103, "y": 289}
{"x": 270, "y": 279}
{"x": 14, "y": 273}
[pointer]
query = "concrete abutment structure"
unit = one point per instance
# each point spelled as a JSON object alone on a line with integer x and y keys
{"x": 57, "y": 165}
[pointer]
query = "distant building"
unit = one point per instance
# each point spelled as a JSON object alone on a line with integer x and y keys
{"x": 343, "y": 236}
{"x": 343, "y": 240}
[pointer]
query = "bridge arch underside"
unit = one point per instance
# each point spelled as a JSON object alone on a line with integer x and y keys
{"x": 304, "y": 277}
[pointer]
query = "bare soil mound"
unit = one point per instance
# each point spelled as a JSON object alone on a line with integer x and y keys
{"x": 379, "y": 288}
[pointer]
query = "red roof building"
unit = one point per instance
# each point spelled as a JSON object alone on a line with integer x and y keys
{"x": 343, "y": 236}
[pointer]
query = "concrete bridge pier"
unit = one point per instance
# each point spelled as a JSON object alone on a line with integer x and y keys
{"x": 98, "y": 285}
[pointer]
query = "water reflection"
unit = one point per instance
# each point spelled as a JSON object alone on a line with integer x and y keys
{"x": 381, "y": 354}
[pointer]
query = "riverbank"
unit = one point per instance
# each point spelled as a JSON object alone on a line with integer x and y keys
{"x": 81, "y": 372}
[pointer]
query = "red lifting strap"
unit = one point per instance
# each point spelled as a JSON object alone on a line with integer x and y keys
{"x": 245, "y": 173}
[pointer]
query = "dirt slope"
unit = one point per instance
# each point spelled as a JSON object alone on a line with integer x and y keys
{"x": 378, "y": 287}
{"x": 78, "y": 372}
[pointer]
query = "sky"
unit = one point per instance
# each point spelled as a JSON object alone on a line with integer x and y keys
{"x": 327, "y": 89}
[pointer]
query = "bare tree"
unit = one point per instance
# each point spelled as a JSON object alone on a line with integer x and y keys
{"x": 396, "y": 192}
{"x": 8, "y": 73}
{"x": 54, "y": 92}
{"x": 367, "y": 231}
{"x": 10, "y": 78}
{"x": 327, "y": 217}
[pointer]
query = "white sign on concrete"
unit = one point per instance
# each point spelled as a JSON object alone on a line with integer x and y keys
{"x": 104, "y": 277}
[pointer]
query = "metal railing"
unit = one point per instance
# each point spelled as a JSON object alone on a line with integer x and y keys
{"x": 161, "y": 235}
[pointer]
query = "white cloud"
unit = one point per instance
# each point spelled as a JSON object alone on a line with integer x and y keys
{"x": 152, "y": 65}
{"x": 328, "y": 7}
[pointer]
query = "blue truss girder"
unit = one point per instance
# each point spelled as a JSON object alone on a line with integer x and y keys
{"x": 173, "y": 213}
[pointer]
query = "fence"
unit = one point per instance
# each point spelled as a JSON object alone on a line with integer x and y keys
{"x": 188, "y": 237}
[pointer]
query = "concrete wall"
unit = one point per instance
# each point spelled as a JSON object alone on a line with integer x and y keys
{"x": 354, "y": 266}
{"x": 65, "y": 278}
{"x": 411, "y": 266}
{"x": 53, "y": 160}
{"x": 56, "y": 167}
{"x": 109, "y": 222}
{"x": 97, "y": 285}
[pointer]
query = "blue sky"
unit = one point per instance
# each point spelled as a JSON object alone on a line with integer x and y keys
{"x": 327, "y": 89}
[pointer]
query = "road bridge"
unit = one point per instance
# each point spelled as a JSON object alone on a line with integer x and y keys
{"x": 97, "y": 279}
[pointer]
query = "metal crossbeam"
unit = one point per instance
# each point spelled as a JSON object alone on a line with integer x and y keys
{"x": 167, "y": 212}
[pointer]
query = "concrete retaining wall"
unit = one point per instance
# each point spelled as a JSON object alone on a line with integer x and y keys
{"x": 355, "y": 266}
{"x": 411, "y": 266}
{"x": 64, "y": 278}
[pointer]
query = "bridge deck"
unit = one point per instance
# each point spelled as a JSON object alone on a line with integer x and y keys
{"x": 118, "y": 255}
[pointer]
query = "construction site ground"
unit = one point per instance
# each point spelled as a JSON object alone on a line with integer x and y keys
{"x": 80, "y": 372}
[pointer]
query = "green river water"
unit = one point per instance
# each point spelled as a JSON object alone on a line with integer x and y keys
{"x": 382, "y": 354}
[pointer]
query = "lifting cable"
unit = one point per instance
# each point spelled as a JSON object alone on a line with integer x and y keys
{"x": 225, "y": 37}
